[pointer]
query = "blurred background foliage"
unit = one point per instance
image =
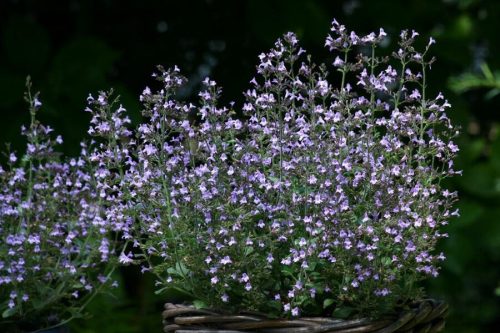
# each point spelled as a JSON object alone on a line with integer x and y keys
{"x": 76, "y": 47}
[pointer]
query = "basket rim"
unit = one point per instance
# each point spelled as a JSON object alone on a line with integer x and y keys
{"x": 427, "y": 315}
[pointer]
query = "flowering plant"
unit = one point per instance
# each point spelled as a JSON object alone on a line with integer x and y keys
{"x": 55, "y": 250}
{"x": 324, "y": 194}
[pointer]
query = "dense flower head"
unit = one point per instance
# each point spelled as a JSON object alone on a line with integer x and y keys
{"x": 323, "y": 193}
{"x": 54, "y": 247}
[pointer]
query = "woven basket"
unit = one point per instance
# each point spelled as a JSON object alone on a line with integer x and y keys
{"x": 426, "y": 316}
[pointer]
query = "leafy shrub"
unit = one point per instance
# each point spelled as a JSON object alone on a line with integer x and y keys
{"x": 323, "y": 194}
{"x": 56, "y": 253}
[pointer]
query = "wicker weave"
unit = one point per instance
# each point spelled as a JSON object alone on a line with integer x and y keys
{"x": 424, "y": 317}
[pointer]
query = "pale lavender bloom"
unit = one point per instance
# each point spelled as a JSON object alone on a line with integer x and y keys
{"x": 12, "y": 158}
{"x": 338, "y": 62}
{"x": 270, "y": 258}
{"x": 125, "y": 259}
{"x": 226, "y": 260}
{"x": 36, "y": 103}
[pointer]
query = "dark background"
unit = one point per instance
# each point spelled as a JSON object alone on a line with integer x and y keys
{"x": 73, "y": 48}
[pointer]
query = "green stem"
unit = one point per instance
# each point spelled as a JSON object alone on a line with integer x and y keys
{"x": 422, "y": 111}
{"x": 344, "y": 70}
{"x": 372, "y": 71}
{"x": 401, "y": 83}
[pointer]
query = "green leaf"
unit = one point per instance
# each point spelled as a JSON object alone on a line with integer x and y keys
{"x": 179, "y": 270}
{"x": 273, "y": 178}
{"x": 386, "y": 261}
{"x": 287, "y": 271}
{"x": 327, "y": 302}
{"x": 312, "y": 266}
{"x": 248, "y": 250}
{"x": 471, "y": 80}
{"x": 199, "y": 304}
{"x": 174, "y": 293}
{"x": 275, "y": 305}
{"x": 76, "y": 312}
{"x": 487, "y": 72}
{"x": 8, "y": 312}
{"x": 342, "y": 312}
{"x": 492, "y": 93}
{"x": 161, "y": 290}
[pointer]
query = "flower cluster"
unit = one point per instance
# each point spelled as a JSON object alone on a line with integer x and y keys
{"x": 55, "y": 250}
{"x": 322, "y": 193}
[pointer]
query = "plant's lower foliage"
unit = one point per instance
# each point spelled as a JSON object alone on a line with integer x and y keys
{"x": 325, "y": 194}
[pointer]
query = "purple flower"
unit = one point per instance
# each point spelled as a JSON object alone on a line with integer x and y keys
{"x": 36, "y": 103}
{"x": 226, "y": 260}
{"x": 125, "y": 259}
